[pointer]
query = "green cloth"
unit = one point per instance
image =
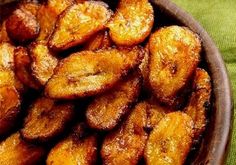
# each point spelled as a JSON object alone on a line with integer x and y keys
{"x": 218, "y": 17}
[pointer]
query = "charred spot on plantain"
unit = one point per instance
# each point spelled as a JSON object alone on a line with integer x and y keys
{"x": 49, "y": 114}
{"x": 207, "y": 105}
{"x": 80, "y": 132}
{"x": 173, "y": 68}
{"x": 137, "y": 129}
{"x": 71, "y": 80}
{"x": 164, "y": 145}
{"x": 148, "y": 129}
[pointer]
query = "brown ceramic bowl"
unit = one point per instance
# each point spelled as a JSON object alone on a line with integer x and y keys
{"x": 215, "y": 143}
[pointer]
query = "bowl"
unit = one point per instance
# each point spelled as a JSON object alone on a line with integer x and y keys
{"x": 215, "y": 142}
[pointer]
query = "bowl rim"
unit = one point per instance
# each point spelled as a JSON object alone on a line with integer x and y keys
{"x": 220, "y": 142}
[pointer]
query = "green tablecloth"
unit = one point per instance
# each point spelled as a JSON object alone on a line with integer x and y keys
{"x": 218, "y": 17}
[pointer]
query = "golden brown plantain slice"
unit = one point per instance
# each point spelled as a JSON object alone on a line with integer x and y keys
{"x": 9, "y": 108}
{"x": 199, "y": 101}
{"x": 132, "y": 22}
{"x": 88, "y": 73}
{"x": 15, "y": 151}
{"x": 3, "y": 33}
{"x": 78, "y": 23}
{"x": 170, "y": 141}
{"x": 46, "y": 120}
{"x": 59, "y": 5}
{"x": 47, "y": 19}
{"x": 22, "y": 62}
{"x": 126, "y": 145}
{"x": 155, "y": 113}
{"x": 6, "y": 55}
{"x": 107, "y": 110}
{"x": 7, "y": 78}
{"x": 22, "y": 26}
{"x": 78, "y": 148}
{"x": 99, "y": 41}
{"x": 43, "y": 62}
{"x": 174, "y": 56}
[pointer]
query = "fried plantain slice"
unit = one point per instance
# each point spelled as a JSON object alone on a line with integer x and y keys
{"x": 107, "y": 110}
{"x": 9, "y": 108}
{"x": 6, "y": 55}
{"x": 171, "y": 48}
{"x": 22, "y": 26}
{"x": 7, "y": 9}
{"x": 126, "y": 145}
{"x": 47, "y": 18}
{"x": 199, "y": 101}
{"x": 78, "y": 148}
{"x": 15, "y": 151}
{"x": 22, "y": 62}
{"x": 3, "y": 33}
{"x": 78, "y": 23}
{"x": 132, "y": 22}
{"x": 99, "y": 41}
{"x": 8, "y": 78}
{"x": 46, "y": 120}
{"x": 155, "y": 113}
{"x": 43, "y": 62}
{"x": 170, "y": 141}
{"x": 88, "y": 73}
{"x": 59, "y": 5}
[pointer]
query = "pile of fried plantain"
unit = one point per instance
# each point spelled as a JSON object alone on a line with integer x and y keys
{"x": 92, "y": 82}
